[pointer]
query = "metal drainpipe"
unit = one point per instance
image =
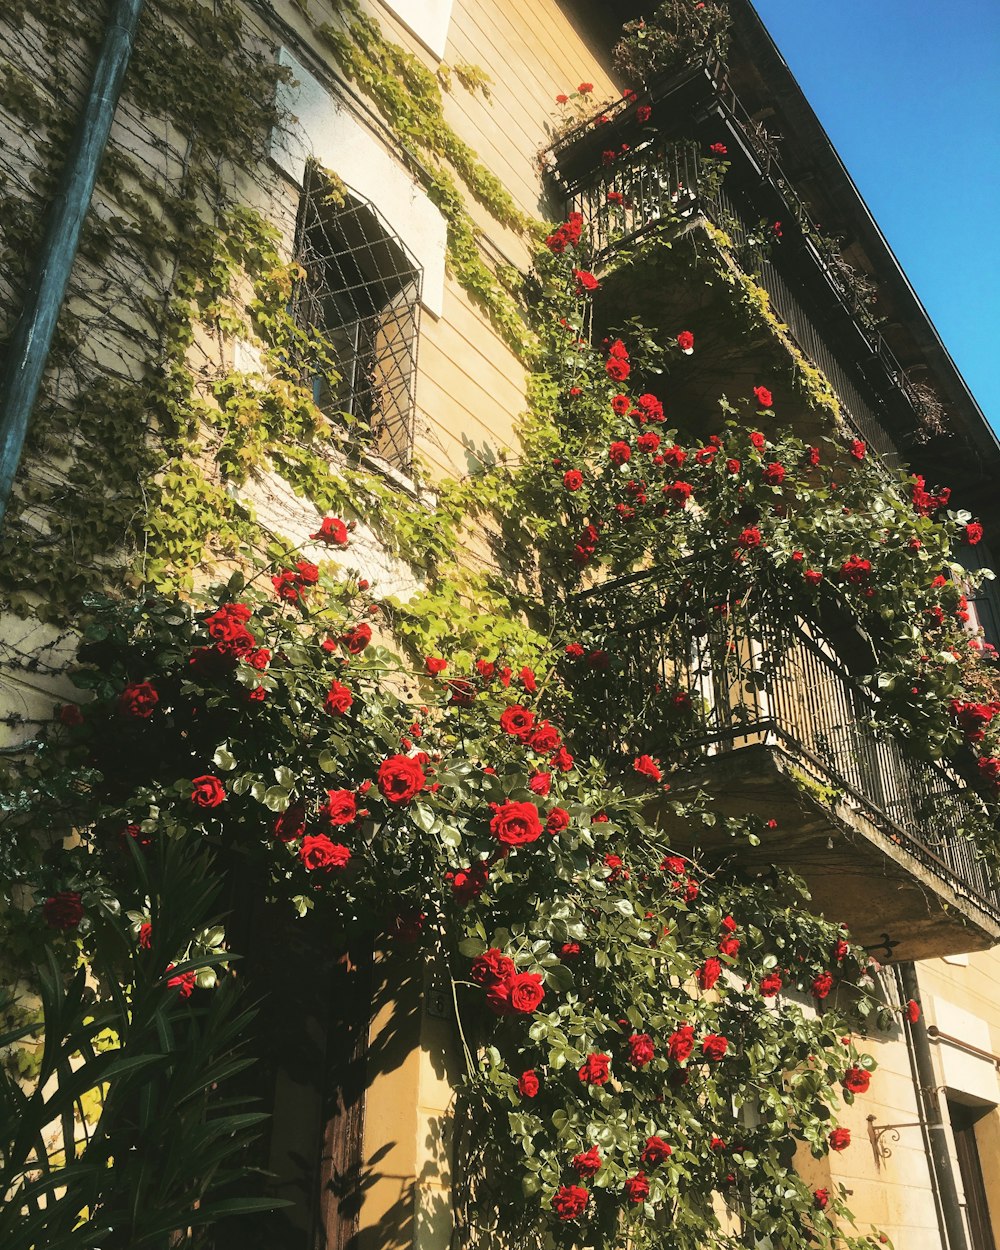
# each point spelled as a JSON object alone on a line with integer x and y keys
{"x": 28, "y": 350}
{"x": 942, "y": 1172}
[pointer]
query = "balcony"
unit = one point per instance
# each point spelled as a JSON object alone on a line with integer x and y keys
{"x": 662, "y": 184}
{"x": 765, "y": 715}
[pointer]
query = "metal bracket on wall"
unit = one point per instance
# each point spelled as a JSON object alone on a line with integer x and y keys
{"x": 876, "y": 1132}
{"x": 887, "y": 945}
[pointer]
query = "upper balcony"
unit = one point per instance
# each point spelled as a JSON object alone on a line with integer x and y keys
{"x": 659, "y": 180}
{"x": 760, "y": 709}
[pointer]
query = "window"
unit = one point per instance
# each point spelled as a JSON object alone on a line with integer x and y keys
{"x": 361, "y": 294}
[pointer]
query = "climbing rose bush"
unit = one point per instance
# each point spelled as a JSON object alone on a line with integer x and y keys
{"x": 607, "y": 991}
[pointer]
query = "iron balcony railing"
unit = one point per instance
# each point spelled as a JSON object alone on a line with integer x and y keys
{"x": 704, "y": 681}
{"x": 659, "y": 181}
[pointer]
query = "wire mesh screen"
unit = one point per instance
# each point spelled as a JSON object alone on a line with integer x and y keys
{"x": 361, "y": 294}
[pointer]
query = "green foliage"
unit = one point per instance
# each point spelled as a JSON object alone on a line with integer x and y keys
{"x": 508, "y": 836}
{"x": 116, "y": 1134}
{"x": 677, "y": 35}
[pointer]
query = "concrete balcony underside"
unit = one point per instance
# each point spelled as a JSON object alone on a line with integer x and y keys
{"x": 859, "y": 869}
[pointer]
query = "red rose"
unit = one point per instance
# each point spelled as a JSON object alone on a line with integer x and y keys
{"x": 709, "y": 973}
{"x": 561, "y": 98}
{"x": 291, "y": 823}
{"x": 207, "y": 791}
{"x": 515, "y": 824}
{"x": 617, "y": 370}
{"x": 717, "y": 1144}
{"x": 812, "y": 577}
{"x": 637, "y": 1188}
{"x": 821, "y": 1199}
{"x": 183, "y": 982}
{"x": 856, "y": 1080}
{"x": 674, "y": 456}
{"x": 562, "y": 760}
{"x": 525, "y": 992}
{"x": 840, "y": 1139}
{"x": 340, "y": 807}
{"x": 685, "y": 341}
{"x": 973, "y": 533}
{"x": 517, "y": 721}
{"x": 468, "y": 883}
{"x": 540, "y": 783}
{"x": 678, "y": 493}
{"x": 588, "y": 1164}
{"x": 332, "y": 531}
{"x": 138, "y": 700}
{"x": 681, "y": 1043}
{"x": 822, "y": 985}
{"x": 718, "y": 149}
{"x": 585, "y": 88}
{"x": 570, "y": 1201}
{"x": 774, "y": 474}
{"x": 585, "y": 281}
{"x": 912, "y": 1011}
{"x": 287, "y": 585}
{"x": 771, "y": 985}
{"x": 857, "y": 449}
{"x": 856, "y": 571}
{"x": 569, "y": 950}
{"x": 145, "y": 935}
{"x": 338, "y": 699}
{"x": 714, "y": 1047}
{"x": 648, "y": 442}
{"x": 434, "y": 665}
{"x": 491, "y": 965}
{"x": 70, "y": 715}
{"x": 357, "y": 638}
{"x": 308, "y": 573}
{"x": 643, "y": 114}
{"x": 63, "y": 910}
{"x": 319, "y": 852}
{"x": 462, "y": 692}
{"x": 572, "y": 479}
{"x": 228, "y": 629}
{"x": 729, "y": 946}
{"x": 733, "y": 466}
{"x": 640, "y": 1049}
{"x": 750, "y": 537}
{"x": 528, "y": 1084}
{"x": 655, "y": 1152}
{"x": 595, "y": 1070}
{"x": 972, "y": 718}
{"x": 400, "y": 778}
{"x": 728, "y": 924}
{"x": 544, "y": 738}
{"x": 557, "y": 820}
{"x": 646, "y": 766}
{"x": 619, "y": 453}
{"x": 763, "y": 396}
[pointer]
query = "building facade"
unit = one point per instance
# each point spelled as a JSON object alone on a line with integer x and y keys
{"x": 358, "y": 189}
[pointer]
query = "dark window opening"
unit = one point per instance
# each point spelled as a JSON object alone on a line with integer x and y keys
{"x": 963, "y": 1125}
{"x": 361, "y": 294}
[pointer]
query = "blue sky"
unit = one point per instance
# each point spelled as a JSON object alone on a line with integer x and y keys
{"x": 909, "y": 92}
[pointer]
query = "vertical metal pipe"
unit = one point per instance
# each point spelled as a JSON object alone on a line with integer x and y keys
{"x": 942, "y": 1172}
{"x": 28, "y": 350}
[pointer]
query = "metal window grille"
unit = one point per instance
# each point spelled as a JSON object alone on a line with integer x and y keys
{"x": 359, "y": 304}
